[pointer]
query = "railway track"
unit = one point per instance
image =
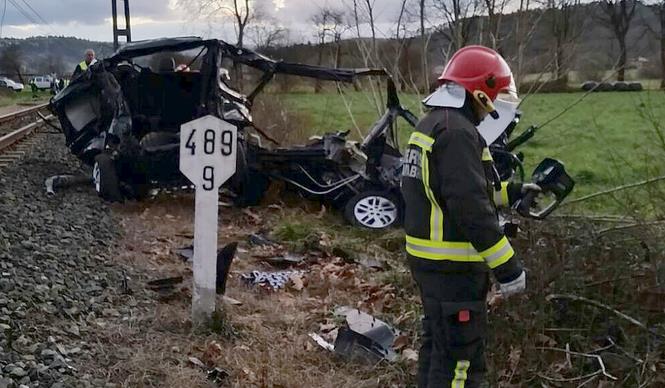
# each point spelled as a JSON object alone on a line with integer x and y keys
{"x": 17, "y": 132}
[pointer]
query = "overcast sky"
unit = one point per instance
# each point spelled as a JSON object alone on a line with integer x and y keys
{"x": 91, "y": 19}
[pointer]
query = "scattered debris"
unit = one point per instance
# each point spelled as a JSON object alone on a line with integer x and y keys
{"x": 296, "y": 281}
{"x": 365, "y": 337}
{"x": 216, "y": 375}
{"x": 323, "y": 343}
{"x": 256, "y": 239}
{"x": 410, "y": 355}
{"x": 195, "y": 361}
{"x": 224, "y": 259}
{"x": 165, "y": 284}
{"x": 373, "y": 263}
{"x": 61, "y": 181}
{"x": 274, "y": 280}
{"x": 285, "y": 260}
{"x": 231, "y": 301}
{"x": 186, "y": 253}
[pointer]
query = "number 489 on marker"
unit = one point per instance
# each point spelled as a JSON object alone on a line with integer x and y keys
{"x": 208, "y": 152}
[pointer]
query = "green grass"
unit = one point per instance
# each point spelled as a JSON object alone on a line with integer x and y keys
{"x": 8, "y": 97}
{"x": 607, "y": 140}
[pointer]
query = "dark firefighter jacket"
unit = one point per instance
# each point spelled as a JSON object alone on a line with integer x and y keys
{"x": 451, "y": 191}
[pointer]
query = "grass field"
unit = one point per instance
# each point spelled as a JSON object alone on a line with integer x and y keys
{"x": 607, "y": 140}
{"x": 8, "y": 97}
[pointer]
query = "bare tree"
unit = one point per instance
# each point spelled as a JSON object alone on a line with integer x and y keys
{"x": 658, "y": 9}
{"x": 240, "y": 11}
{"x": 424, "y": 43}
{"x": 495, "y": 10}
{"x": 328, "y": 23}
{"x": 458, "y": 18}
{"x": 617, "y": 16}
{"x": 11, "y": 61}
{"x": 402, "y": 43}
{"x": 267, "y": 35}
{"x": 364, "y": 14}
{"x": 566, "y": 19}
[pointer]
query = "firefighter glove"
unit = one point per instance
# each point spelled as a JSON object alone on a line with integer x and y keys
{"x": 513, "y": 287}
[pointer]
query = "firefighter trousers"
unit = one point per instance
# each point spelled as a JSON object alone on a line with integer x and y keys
{"x": 452, "y": 353}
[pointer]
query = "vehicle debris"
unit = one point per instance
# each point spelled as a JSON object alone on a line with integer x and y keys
{"x": 165, "y": 287}
{"x": 62, "y": 181}
{"x": 123, "y": 118}
{"x": 186, "y": 253}
{"x": 225, "y": 257}
{"x": 322, "y": 342}
{"x": 258, "y": 239}
{"x": 274, "y": 280}
{"x": 216, "y": 375}
{"x": 365, "y": 337}
{"x": 361, "y": 337}
{"x": 286, "y": 260}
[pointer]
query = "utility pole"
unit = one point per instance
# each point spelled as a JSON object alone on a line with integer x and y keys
{"x": 126, "y": 32}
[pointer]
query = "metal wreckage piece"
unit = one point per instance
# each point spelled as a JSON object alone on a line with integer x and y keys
{"x": 362, "y": 337}
{"x": 274, "y": 280}
{"x": 365, "y": 337}
{"x": 62, "y": 181}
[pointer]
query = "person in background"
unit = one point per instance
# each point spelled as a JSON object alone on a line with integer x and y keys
{"x": 87, "y": 62}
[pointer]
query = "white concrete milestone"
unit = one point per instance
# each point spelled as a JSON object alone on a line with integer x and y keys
{"x": 208, "y": 159}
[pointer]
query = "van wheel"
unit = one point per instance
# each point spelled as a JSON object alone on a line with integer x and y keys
{"x": 105, "y": 178}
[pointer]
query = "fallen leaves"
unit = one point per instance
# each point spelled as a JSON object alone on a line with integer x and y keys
{"x": 296, "y": 282}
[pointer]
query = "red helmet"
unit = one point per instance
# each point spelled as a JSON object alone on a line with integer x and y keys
{"x": 478, "y": 68}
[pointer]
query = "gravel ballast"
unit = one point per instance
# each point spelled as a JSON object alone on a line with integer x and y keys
{"x": 57, "y": 284}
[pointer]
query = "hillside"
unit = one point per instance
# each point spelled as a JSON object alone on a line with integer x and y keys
{"x": 594, "y": 48}
{"x": 58, "y": 54}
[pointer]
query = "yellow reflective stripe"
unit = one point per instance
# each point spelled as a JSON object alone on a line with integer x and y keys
{"x": 436, "y": 215}
{"x": 442, "y": 250}
{"x": 487, "y": 156}
{"x": 498, "y": 253}
{"x": 501, "y": 196}
{"x": 421, "y": 140}
{"x": 83, "y": 65}
{"x": 460, "y": 373}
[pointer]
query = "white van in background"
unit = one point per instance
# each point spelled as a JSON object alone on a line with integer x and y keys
{"x": 42, "y": 82}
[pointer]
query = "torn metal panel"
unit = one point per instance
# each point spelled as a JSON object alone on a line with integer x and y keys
{"x": 365, "y": 337}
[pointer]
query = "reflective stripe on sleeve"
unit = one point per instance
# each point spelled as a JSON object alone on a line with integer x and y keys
{"x": 487, "y": 155}
{"x": 501, "y": 196}
{"x": 421, "y": 140}
{"x": 499, "y": 253}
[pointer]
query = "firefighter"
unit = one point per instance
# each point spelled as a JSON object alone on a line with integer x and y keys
{"x": 453, "y": 238}
{"x": 85, "y": 63}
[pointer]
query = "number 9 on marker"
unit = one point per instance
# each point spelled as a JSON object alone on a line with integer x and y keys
{"x": 208, "y": 152}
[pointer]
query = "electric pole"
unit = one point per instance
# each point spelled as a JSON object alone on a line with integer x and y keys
{"x": 118, "y": 32}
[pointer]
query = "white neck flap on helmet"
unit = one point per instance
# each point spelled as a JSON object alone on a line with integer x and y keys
{"x": 452, "y": 95}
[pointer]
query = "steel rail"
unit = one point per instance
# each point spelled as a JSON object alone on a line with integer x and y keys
{"x": 14, "y": 137}
{"x": 21, "y": 113}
